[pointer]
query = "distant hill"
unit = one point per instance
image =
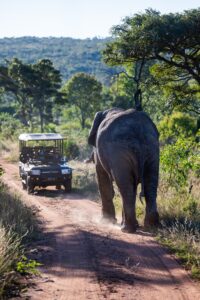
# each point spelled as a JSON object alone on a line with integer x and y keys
{"x": 68, "y": 55}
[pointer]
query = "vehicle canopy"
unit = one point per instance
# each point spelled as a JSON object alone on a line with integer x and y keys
{"x": 33, "y": 144}
{"x": 40, "y": 137}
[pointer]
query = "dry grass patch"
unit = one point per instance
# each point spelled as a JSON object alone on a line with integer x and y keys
{"x": 18, "y": 226}
{"x": 84, "y": 179}
{"x": 9, "y": 150}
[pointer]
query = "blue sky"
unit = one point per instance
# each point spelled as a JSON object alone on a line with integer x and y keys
{"x": 75, "y": 18}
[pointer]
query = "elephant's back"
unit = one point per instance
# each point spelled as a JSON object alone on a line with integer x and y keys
{"x": 128, "y": 126}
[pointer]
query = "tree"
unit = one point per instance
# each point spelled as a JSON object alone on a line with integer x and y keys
{"x": 134, "y": 82}
{"x": 171, "y": 40}
{"x": 181, "y": 95}
{"x": 175, "y": 125}
{"x": 84, "y": 92}
{"x": 47, "y": 90}
{"x": 18, "y": 79}
{"x": 34, "y": 87}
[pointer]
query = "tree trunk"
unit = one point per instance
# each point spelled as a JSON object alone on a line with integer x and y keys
{"x": 41, "y": 121}
{"x": 83, "y": 123}
{"x": 41, "y": 113}
{"x": 82, "y": 120}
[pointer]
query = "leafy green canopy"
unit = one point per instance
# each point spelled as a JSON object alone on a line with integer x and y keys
{"x": 170, "y": 45}
{"x": 84, "y": 93}
{"x": 175, "y": 125}
{"x": 172, "y": 38}
{"x": 33, "y": 87}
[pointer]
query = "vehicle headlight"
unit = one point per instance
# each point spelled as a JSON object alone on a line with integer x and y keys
{"x": 35, "y": 172}
{"x": 66, "y": 171}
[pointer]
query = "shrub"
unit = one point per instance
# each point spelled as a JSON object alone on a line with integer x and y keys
{"x": 183, "y": 239}
{"x": 71, "y": 150}
{"x": 10, "y": 127}
{"x": 84, "y": 180}
{"x": 177, "y": 124}
{"x": 51, "y": 128}
{"x": 15, "y": 214}
{"x": 178, "y": 159}
{"x": 9, "y": 249}
{"x": 17, "y": 226}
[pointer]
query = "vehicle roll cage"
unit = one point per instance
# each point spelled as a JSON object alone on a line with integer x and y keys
{"x": 58, "y": 140}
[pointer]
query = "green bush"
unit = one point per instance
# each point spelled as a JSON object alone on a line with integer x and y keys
{"x": 178, "y": 159}
{"x": 27, "y": 266}
{"x": 177, "y": 124}
{"x": 17, "y": 227}
{"x": 10, "y": 127}
{"x": 51, "y": 128}
{"x": 183, "y": 239}
{"x": 71, "y": 150}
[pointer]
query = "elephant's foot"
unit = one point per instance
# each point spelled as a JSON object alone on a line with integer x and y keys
{"x": 130, "y": 228}
{"x": 151, "y": 220}
{"x": 107, "y": 218}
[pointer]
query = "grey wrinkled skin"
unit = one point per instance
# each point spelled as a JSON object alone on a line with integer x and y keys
{"x": 126, "y": 150}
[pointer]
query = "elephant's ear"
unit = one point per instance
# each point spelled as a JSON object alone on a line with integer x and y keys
{"x": 93, "y": 131}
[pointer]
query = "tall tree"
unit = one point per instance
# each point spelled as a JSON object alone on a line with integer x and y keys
{"x": 35, "y": 88}
{"x": 172, "y": 40}
{"x": 18, "y": 79}
{"x": 84, "y": 92}
{"x": 47, "y": 90}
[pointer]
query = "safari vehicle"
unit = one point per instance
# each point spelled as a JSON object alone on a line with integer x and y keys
{"x": 42, "y": 162}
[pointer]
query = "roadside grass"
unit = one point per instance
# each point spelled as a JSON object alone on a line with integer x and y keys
{"x": 10, "y": 250}
{"x": 182, "y": 239}
{"x": 18, "y": 227}
{"x": 9, "y": 150}
{"x": 83, "y": 179}
{"x": 180, "y": 220}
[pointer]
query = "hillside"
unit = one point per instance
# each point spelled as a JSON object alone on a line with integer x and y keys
{"x": 68, "y": 55}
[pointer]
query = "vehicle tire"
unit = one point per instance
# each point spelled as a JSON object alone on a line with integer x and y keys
{"x": 29, "y": 186}
{"x": 68, "y": 186}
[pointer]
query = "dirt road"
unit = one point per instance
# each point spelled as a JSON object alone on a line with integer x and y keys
{"x": 84, "y": 259}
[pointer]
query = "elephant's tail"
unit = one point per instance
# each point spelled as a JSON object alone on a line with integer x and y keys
{"x": 141, "y": 172}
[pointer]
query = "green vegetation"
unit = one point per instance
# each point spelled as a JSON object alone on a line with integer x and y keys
{"x": 27, "y": 266}
{"x": 17, "y": 228}
{"x": 84, "y": 93}
{"x": 69, "y": 56}
{"x": 160, "y": 56}
{"x": 169, "y": 45}
{"x": 10, "y": 127}
{"x": 178, "y": 159}
{"x": 57, "y": 85}
{"x": 33, "y": 88}
{"x": 183, "y": 240}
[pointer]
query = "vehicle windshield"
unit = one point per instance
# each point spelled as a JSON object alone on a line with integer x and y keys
{"x": 40, "y": 155}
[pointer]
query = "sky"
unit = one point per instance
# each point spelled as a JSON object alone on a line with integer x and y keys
{"x": 76, "y": 18}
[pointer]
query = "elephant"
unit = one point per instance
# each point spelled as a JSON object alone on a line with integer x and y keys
{"x": 126, "y": 150}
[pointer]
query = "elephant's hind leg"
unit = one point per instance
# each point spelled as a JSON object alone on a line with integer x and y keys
{"x": 107, "y": 193}
{"x": 150, "y": 191}
{"x": 127, "y": 188}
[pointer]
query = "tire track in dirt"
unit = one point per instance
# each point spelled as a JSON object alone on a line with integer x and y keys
{"x": 85, "y": 259}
